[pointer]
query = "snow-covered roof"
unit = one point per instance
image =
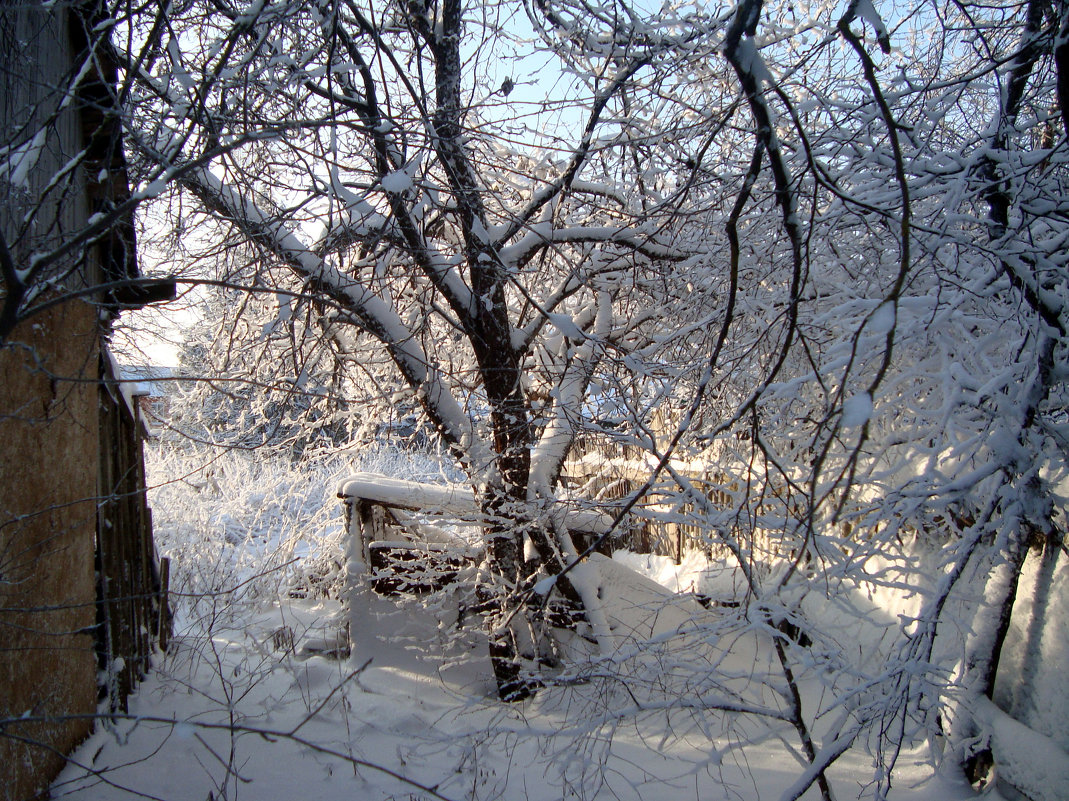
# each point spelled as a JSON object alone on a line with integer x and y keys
{"x": 144, "y": 379}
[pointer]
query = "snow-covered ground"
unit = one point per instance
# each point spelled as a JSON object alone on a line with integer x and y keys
{"x": 243, "y": 713}
{"x": 257, "y": 698}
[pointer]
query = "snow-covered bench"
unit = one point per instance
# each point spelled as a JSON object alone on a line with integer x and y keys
{"x": 409, "y": 534}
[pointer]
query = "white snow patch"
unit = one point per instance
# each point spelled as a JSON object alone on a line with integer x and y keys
{"x": 1029, "y": 761}
{"x": 566, "y": 325}
{"x": 21, "y": 160}
{"x": 883, "y": 319}
{"x": 857, "y": 410}
{"x": 397, "y": 182}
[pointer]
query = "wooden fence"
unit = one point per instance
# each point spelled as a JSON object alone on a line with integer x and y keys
{"x": 133, "y": 616}
{"x": 663, "y": 521}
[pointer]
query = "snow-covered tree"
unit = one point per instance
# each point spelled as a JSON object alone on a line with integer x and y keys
{"x": 389, "y": 182}
{"x": 886, "y": 314}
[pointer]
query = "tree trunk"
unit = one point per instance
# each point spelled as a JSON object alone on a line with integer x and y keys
{"x": 989, "y": 635}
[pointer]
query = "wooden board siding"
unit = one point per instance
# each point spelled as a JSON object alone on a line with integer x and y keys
{"x": 132, "y": 608}
{"x": 48, "y": 427}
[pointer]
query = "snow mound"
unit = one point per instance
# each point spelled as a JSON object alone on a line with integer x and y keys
{"x": 1028, "y": 761}
{"x": 639, "y": 608}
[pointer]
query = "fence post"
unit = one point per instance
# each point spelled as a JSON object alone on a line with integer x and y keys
{"x": 163, "y": 632}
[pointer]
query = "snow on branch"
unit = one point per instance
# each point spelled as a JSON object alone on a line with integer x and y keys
{"x": 543, "y": 235}
{"x": 375, "y": 314}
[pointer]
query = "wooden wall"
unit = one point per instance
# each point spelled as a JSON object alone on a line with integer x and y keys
{"x": 48, "y": 428}
{"x": 70, "y": 458}
{"x": 49, "y": 435}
